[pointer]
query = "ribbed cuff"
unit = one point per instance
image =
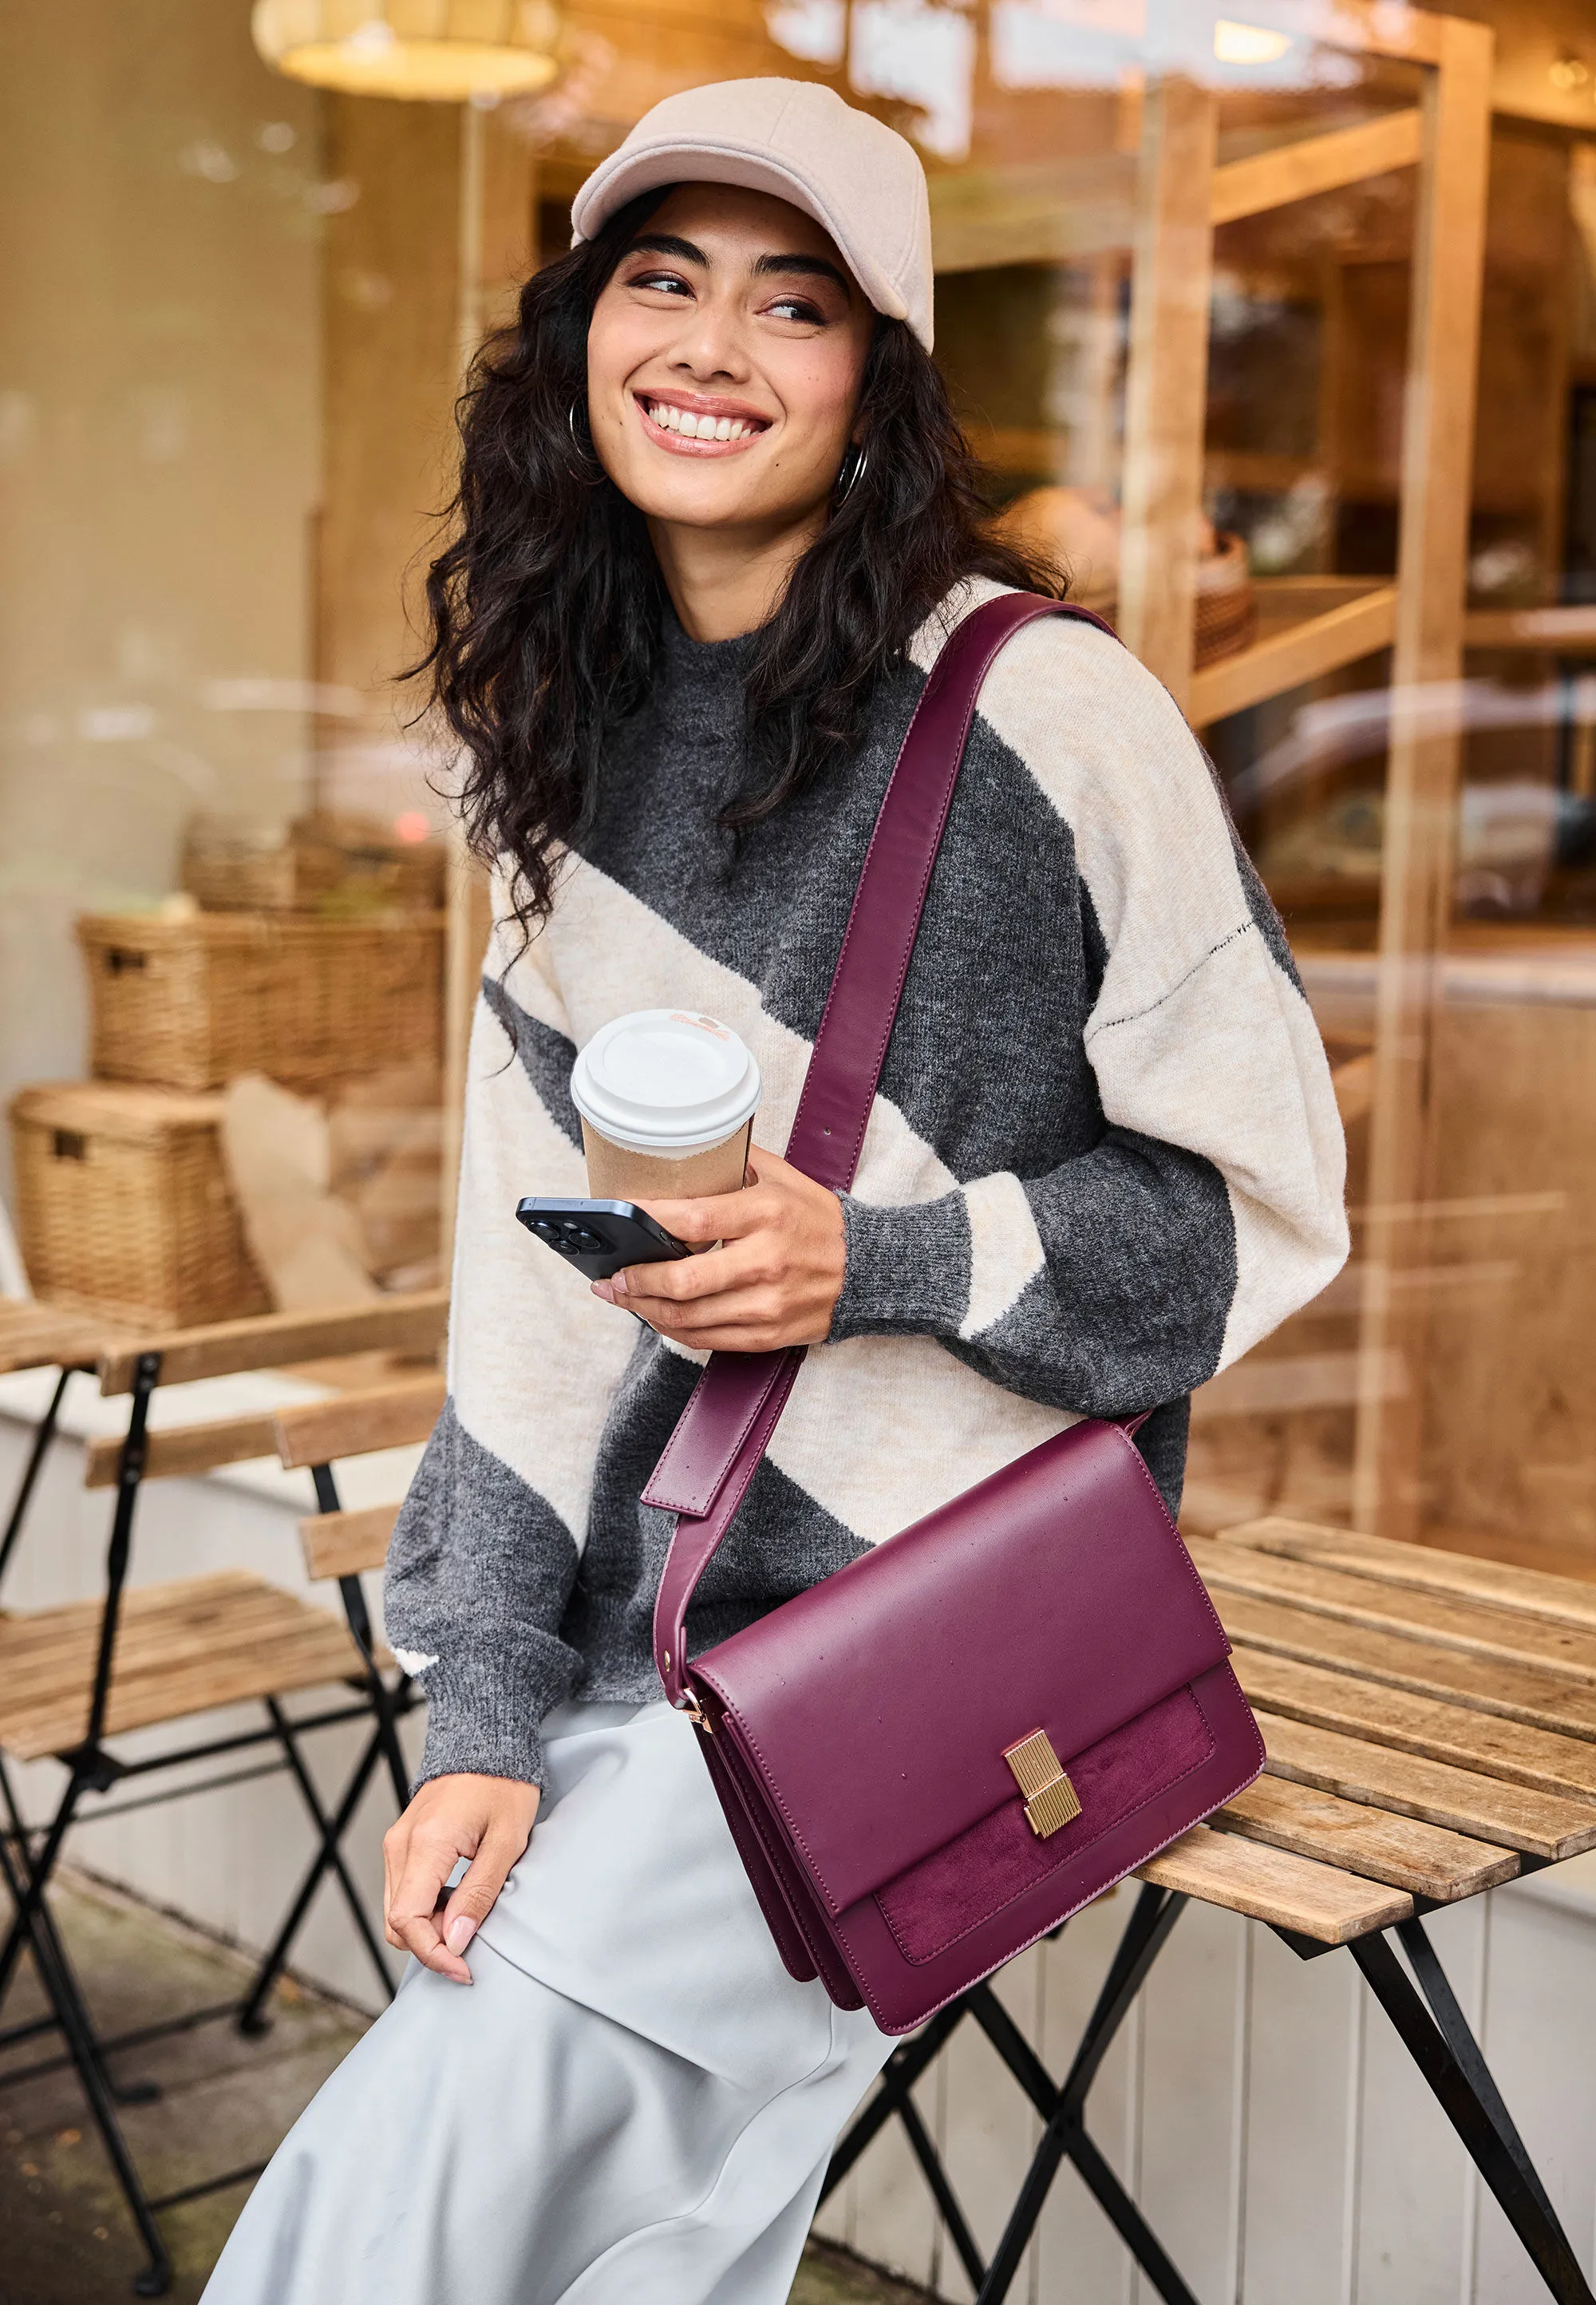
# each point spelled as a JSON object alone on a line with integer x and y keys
{"x": 908, "y": 1268}
{"x": 488, "y": 1723}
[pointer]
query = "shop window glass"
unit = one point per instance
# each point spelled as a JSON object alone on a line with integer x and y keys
{"x": 236, "y": 314}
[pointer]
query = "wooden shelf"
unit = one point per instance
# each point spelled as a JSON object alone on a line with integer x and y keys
{"x": 1302, "y": 650}
{"x": 1315, "y": 164}
{"x": 1571, "y": 631}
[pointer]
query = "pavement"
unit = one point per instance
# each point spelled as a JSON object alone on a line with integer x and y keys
{"x": 224, "y": 2104}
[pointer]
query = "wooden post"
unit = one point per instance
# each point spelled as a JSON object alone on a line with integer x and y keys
{"x": 1167, "y": 384}
{"x": 1424, "y": 771}
{"x": 496, "y": 252}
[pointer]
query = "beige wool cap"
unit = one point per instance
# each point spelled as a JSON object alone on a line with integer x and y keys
{"x": 857, "y": 177}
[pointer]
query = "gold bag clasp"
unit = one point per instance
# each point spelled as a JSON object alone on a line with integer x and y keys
{"x": 1050, "y": 1799}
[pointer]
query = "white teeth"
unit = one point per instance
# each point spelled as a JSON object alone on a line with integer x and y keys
{"x": 692, "y": 427}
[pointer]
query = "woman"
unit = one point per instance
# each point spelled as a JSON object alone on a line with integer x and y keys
{"x": 715, "y": 521}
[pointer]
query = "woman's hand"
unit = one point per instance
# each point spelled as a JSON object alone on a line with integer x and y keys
{"x": 774, "y": 1281}
{"x": 489, "y": 1820}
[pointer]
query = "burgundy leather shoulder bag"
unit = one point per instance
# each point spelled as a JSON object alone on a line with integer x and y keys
{"x": 935, "y": 1755}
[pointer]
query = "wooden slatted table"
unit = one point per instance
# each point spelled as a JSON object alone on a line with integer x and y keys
{"x": 1430, "y": 1725}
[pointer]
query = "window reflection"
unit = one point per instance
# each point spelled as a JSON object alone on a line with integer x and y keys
{"x": 232, "y": 348}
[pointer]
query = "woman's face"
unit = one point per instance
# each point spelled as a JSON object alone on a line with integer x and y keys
{"x": 725, "y": 360}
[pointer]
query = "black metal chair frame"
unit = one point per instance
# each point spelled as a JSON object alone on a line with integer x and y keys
{"x": 1427, "y": 2017}
{"x": 28, "y": 1855}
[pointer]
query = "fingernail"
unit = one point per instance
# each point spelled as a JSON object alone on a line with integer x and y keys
{"x": 602, "y": 1288}
{"x": 618, "y": 1285}
{"x": 460, "y": 1932}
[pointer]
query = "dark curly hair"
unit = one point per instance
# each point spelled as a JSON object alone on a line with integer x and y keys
{"x": 545, "y": 607}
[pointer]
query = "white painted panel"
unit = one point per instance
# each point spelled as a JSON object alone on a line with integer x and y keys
{"x": 1194, "y": 2071}
{"x": 837, "y": 2217}
{"x": 1416, "y": 2184}
{"x": 988, "y": 2128}
{"x": 1304, "y": 2051}
{"x": 1540, "y": 2039}
{"x": 896, "y": 2225}
{"x": 1082, "y": 2260}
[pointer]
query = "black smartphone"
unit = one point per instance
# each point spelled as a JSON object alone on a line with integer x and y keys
{"x": 599, "y": 1238}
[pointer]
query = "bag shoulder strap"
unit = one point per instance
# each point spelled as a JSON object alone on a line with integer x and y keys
{"x": 706, "y": 1466}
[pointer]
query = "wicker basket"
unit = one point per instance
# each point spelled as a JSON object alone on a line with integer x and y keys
{"x": 342, "y": 867}
{"x": 1227, "y": 601}
{"x": 124, "y": 1205}
{"x": 190, "y": 1004}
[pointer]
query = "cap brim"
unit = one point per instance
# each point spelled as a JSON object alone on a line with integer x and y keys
{"x": 630, "y": 173}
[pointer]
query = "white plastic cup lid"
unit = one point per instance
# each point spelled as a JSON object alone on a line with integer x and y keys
{"x": 664, "y": 1081}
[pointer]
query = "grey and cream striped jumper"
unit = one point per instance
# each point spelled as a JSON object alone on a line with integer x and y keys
{"x": 1104, "y": 1160}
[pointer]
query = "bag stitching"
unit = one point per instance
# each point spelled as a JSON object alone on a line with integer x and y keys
{"x": 1077, "y": 1849}
{"x": 757, "y": 1750}
{"x": 922, "y": 2017}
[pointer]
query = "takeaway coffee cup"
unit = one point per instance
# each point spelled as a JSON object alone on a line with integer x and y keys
{"x": 667, "y": 1101}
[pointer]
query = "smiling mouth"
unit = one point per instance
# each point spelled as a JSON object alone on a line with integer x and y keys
{"x": 697, "y": 431}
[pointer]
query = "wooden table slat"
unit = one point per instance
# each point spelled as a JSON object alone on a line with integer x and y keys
{"x": 1423, "y": 1726}
{"x": 1268, "y": 1885}
{"x": 1400, "y": 1850}
{"x": 1532, "y": 1592}
{"x": 1526, "y": 1693}
{"x": 1485, "y": 1808}
{"x": 1472, "y": 1628}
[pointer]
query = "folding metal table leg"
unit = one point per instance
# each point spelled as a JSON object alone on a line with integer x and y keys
{"x": 249, "y": 2017}
{"x": 898, "y": 2076}
{"x": 43, "y": 1434}
{"x": 1065, "y": 2138}
{"x": 329, "y": 1856}
{"x": 1061, "y": 2110}
{"x": 1437, "y": 1988}
{"x": 27, "y": 1886}
{"x": 1497, "y": 2151}
{"x": 33, "y": 1924}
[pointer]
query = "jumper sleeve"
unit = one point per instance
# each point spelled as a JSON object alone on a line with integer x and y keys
{"x": 1211, "y": 1205}
{"x": 486, "y": 1545}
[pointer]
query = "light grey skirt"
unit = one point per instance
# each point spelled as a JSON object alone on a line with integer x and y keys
{"x": 632, "y": 2105}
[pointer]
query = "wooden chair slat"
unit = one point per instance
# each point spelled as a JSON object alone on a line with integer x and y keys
{"x": 183, "y": 1648}
{"x": 1420, "y": 1726}
{"x": 1474, "y": 1628}
{"x": 177, "y": 1450}
{"x": 354, "y": 1424}
{"x": 1397, "y": 1850}
{"x": 1541, "y": 1700}
{"x": 413, "y": 1323}
{"x": 1485, "y": 1808}
{"x": 344, "y": 1543}
{"x": 144, "y": 1643}
{"x": 1268, "y": 1885}
{"x": 1531, "y": 1591}
{"x": 35, "y": 1334}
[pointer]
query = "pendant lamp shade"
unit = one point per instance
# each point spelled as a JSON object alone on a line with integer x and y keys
{"x": 442, "y": 51}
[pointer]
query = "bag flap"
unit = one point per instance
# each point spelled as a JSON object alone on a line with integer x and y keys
{"x": 1057, "y": 1595}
